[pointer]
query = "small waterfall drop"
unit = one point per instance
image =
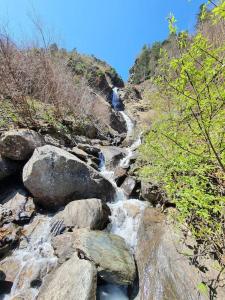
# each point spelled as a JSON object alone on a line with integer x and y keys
{"x": 116, "y": 103}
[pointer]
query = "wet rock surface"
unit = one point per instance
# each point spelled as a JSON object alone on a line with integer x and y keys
{"x": 164, "y": 273}
{"x": 129, "y": 185}
{"x": 9, "y": 238}
{"x": 54, "y": 177}
{"x": 18, "y": 207}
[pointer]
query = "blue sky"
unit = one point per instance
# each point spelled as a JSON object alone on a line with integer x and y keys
{"x": 114, "y": 31}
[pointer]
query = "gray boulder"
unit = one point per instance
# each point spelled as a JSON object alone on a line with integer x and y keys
{"x": 88, "y": 213}
{"x": 120, "y": 175}
{"x": 63, "y": 246}
{"x": 107, "y": 117}
{"x": 112, "y": 155}
{"x": 164, "y": 272}
{"x": 115, "y": 264}
{"x": 54, "y": 177}
{"x": 20, "y": 144}
{"x": 76, "y": 279}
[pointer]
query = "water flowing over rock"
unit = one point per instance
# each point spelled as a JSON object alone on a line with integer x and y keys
{"x": 87, "y": 213}
{"x": 125, "y": 220}
{"x": 54, "y": 177}
{"x": 164, "y": 273}
{"x": 76, "y": 279}
{"x": 20, "y": 144}
{"x": 34, "y": 257}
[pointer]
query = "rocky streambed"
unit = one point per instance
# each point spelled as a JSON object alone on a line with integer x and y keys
{"x": 74, "y": 224}
{"x": 67, "y": 229}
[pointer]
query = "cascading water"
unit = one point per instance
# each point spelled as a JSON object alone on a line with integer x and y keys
{"x": 34, "y": 256}
{"x": 125, "y": 213}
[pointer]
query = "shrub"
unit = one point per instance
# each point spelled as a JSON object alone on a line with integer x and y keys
{"x": 185, "y": 148}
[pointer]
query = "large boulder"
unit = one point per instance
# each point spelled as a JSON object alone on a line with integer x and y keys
{"x": 54, "y": 177}
{"x": 7, "y": 167}
{"x": 88, "y": 213}
{"x": 114, "y": 262}
{"x": 109, "y": 252}
{"x": 76, "y": 279}
{"x": 20, "y": 144}
{"x": 164, "y": 273}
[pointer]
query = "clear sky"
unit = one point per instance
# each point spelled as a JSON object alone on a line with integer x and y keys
{"x": 114, "y": 31}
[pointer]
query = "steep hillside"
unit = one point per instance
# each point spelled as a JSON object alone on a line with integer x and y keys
{"x": 176, "y": 94}
{"x": 52, "y": 89}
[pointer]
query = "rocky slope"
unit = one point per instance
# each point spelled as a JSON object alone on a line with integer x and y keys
{"x": 76, "y": 223}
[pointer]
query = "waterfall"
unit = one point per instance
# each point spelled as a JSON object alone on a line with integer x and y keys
{"x": 125, "y": 213}
{"x": 116, "y": 103}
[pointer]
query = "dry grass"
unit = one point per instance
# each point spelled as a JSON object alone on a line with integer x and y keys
{"x": 34, "y": 74}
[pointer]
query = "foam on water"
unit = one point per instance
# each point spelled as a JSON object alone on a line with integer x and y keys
{"x": 125, "y": 220}
{"x": 112, "y": 292}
